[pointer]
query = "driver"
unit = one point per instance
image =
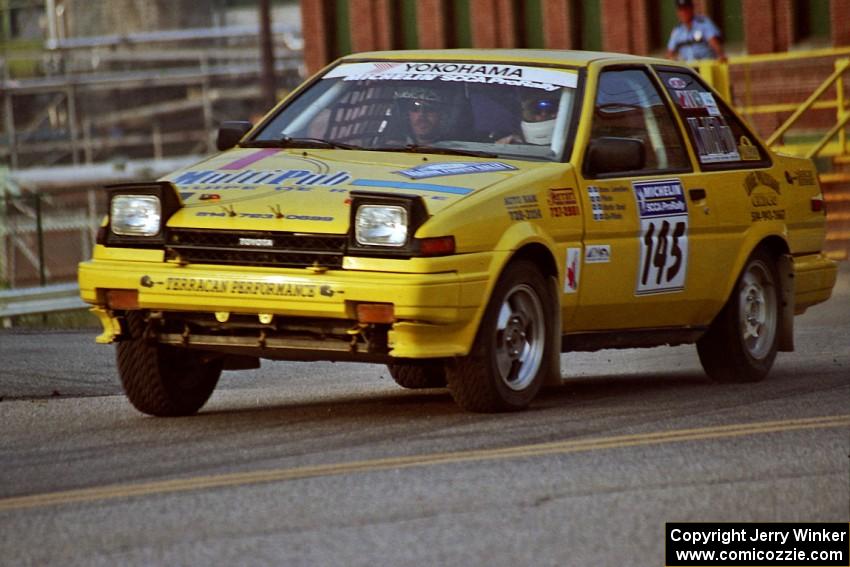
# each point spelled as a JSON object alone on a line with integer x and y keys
{"x": 426, "y": 112}
{"x": 539, "y": 109}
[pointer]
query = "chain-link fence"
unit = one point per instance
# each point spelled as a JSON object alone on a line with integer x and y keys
{"x": 44, "y": 235}
{"x": 89, "y": 83}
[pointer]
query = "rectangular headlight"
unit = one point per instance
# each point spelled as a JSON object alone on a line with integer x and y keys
{"x": 135, "y": 215}
{"x": 381, "y": 225}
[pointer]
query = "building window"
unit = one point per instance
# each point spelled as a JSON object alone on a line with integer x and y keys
{"x": 403, "y": 18}
{"x": 458, "y": 23}
{"x": 588, "y": 15}
{"x": 811, "y": 23}
{"x": 340, "y": 22}
{"x": 529, "y": 17}
{"x": 661, "y": 25}
{"x": 728, "y": 15}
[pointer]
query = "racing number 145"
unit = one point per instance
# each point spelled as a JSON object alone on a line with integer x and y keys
{"x": 663, "y": 254}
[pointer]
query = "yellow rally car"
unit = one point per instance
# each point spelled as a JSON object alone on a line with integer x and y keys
{"x": 463, "y": 217}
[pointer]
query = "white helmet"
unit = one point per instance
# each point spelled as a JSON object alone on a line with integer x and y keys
{"x": 538, "y": 118}
{"x": 538, "y": 133}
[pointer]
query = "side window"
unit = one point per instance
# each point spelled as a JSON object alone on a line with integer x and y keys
{"x": 629, "y": 105}
{"x": 719, "y": 137}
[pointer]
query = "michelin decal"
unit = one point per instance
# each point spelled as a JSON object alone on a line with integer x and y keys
{"x": 663, "y": 212}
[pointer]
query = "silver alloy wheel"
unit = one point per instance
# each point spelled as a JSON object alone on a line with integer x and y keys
{"x": 520, "y": 337}
{"x": 758, "y": 310}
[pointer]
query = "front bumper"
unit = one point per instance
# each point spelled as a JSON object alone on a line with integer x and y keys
{"x": 437, "y": 302}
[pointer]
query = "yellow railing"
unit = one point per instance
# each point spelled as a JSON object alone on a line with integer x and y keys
{"x": 717, "y": 74}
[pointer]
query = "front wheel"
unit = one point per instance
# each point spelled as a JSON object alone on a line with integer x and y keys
{"x": 508, "y": 361}
{"x": 741, "y": 344}
{"x": 163, "y": 380}
{"x": 418, "y": 375}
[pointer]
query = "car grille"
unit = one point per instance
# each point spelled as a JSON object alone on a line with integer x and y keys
{"x": 256, "y": 248}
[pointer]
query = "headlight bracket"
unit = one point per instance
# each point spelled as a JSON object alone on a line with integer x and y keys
{"x": 169, "y": 204}
{"x": 417, "y": 214}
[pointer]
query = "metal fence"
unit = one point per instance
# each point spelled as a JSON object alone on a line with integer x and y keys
{"x": 44, "y": 235}
{"x": 38, "y": 300}
{"x": 119, "y": 91}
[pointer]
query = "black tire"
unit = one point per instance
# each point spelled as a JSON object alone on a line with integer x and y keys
{"x": 418, "y": 375}
{"x": 162, "y": 380}
{"x": 741, "y": 343}
{"x": 509, "y": 359}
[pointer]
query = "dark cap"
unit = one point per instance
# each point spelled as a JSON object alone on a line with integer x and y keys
{"x": 684, "y": 3}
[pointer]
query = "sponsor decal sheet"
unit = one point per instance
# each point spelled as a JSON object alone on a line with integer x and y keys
{"x": 663, "y": 213}
{"x": 488, "y": 73}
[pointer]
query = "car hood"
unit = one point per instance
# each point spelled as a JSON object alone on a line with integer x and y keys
{"x": 297, "y": 190}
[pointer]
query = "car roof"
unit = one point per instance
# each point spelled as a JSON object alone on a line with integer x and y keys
{"x": 524, "y": 56}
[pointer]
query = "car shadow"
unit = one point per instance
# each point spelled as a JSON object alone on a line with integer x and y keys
{"x": 403, "y": 404}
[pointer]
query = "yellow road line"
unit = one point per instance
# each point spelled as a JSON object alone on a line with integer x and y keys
{"x": 518, "y": 452}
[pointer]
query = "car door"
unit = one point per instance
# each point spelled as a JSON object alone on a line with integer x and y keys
{"x": 647, "y": 258}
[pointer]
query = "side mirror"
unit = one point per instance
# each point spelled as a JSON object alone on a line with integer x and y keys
{"x": 610, "y": 155}
{"x": 230, "y": 132}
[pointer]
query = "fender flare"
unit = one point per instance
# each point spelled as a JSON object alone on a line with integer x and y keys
{"x": 511, "y": 244}
{"x": 785, "y": 270}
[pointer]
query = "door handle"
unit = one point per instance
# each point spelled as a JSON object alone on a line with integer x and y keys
{"x": 697, "y": 194}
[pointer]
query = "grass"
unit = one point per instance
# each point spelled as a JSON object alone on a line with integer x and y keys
{"x": 77, "y": 319}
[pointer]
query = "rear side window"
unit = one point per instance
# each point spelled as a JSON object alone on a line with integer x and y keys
{"x": 629, "y": 105}
{"x": 720, "y": 139}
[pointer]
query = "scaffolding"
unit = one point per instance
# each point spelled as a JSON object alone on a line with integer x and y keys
{"x": 151, "y": 94}
{"x": 79, "y": 112}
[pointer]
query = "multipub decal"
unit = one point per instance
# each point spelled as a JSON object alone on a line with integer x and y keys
{"x": 252, "y": 177}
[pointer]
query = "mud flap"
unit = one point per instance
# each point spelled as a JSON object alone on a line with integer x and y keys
{"x": 238, "y": 362}
{"x": 111, "y": 326}
{"x": 553, "y": 365}
{"x": 785, "y": 266}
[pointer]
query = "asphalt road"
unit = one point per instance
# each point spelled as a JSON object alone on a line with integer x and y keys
{"x": 332, "y": 464}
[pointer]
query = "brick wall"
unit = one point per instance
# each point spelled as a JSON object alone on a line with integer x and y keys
{"x": 626, "y": 26}
{"x": 783, "y": 82}
{"x": 370, "y": 25}
{"x": 840, "y": 17}
{"x": 431, "y": 23}
{"x": 558, "y": 31}
{"x": 494, "y": 23}
{"x": 768, "y": 25}
{"x": 315, "y": 26}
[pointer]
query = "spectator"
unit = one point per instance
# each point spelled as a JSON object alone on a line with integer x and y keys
{"x": 696, "y": 37}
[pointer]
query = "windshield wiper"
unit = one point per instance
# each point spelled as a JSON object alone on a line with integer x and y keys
{"x": 290, "y": 142}
{"x": 423, "y": 149}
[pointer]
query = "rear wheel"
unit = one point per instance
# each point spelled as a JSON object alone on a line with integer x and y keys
{"x": 741, "y": 344}
{"x": 507, "y": 364}
{"x": 162, "y": 380}
{"x": 418, "y": 375}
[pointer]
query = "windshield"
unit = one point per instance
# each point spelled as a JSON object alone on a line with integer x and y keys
{"x": 464, "y": 108}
